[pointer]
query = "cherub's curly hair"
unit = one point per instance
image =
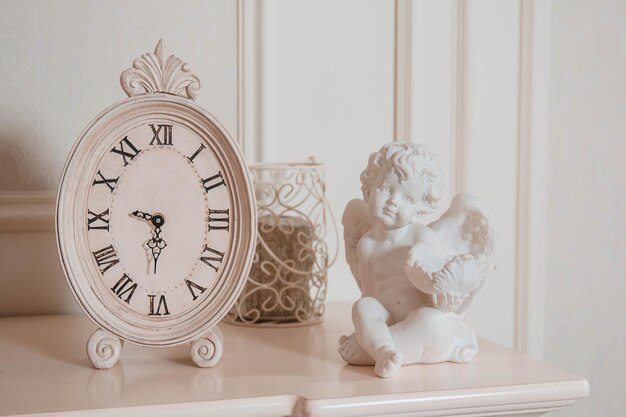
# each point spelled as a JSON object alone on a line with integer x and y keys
{"x": 406, "y": 159}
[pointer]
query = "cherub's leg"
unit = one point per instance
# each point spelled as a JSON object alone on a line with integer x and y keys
{"x": 371, "y": 323}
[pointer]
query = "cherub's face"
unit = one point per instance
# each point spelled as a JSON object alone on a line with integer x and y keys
{"x": 396, "y": 204}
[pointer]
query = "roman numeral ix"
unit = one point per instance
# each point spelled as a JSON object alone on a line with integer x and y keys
{"x": 127, "y": 150}
{"x": 162, "y": 134}
{"x": 98, "y": 221}
{"x": 106, "y": 258}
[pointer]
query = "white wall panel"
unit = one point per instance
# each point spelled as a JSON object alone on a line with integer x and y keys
{"x": 464, "y": 105}
{"x": 434, "y": 92}
{"x": 327, "y": 73}
{"x": 489, "y": 148}
{"x": 585, "y": 328}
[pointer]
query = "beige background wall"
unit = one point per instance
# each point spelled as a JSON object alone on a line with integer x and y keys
{"x": 585, "y": 320}
{"x": 523, "y": 101}
{"x": 59, "y": 67}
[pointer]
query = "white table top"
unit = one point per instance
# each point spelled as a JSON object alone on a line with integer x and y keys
{"x": 264, "y": 372}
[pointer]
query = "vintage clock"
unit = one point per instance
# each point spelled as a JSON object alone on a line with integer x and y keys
{"x": 156, "y": 217}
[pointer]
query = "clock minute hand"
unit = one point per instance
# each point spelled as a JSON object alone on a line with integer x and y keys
{"x": 156, "y": 244}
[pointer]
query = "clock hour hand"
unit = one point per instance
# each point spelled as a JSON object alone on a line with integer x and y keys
{"x": 156, "y": 243}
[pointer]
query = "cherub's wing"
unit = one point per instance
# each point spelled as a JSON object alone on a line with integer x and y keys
{"x": 467, "y": 227}
{"x": 356, "y": 222}
{"x": 466, "y": 235}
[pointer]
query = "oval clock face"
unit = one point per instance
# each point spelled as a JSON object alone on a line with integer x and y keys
{"x": 156, "y": 221}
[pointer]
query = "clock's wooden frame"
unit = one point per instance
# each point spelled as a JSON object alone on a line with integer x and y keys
{"x": 149, "y": 101}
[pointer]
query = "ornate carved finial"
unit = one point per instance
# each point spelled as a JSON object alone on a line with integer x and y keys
{"x": 160, "y": 73}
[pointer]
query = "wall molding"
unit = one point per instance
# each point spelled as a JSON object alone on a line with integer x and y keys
{"x": 402, "y": 76}
{"x": 456, "y": 28}
{"x": 458, "y": 101}
{"x": 532, "y": 168}
{"x": 249, "y": 83}
{"x": 27, "y": 211}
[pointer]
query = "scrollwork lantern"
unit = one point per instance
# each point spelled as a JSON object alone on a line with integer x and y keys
{"x": 288, "y": 280}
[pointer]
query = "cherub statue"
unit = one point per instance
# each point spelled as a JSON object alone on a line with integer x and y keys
{"x": 416, "y": 280}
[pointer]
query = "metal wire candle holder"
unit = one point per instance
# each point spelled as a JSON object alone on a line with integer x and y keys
{"x": 288, "y": 280}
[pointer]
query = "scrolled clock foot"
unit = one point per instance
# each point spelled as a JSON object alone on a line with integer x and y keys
{"x": 207, "y": 351}
{"x": 104, "y": 349}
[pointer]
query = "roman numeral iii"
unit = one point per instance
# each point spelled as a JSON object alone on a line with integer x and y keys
{"x": 106, "y": 258}
{"x": 126, "y": 149}
{"x": 218, "y": 219}
{"x": 125, "y": 286}
{"x": 98, "y": 221}
{"x": 162, "y": 134}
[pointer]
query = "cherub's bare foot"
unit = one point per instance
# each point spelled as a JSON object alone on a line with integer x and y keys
{"x": 352, "y": 353}
{"x": 388, "y": 362}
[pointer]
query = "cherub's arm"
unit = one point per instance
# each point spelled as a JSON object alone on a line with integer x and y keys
{"x": 365, "y": 279}
{"x": 426, "y": 256}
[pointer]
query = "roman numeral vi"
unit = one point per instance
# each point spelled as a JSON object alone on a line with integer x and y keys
{"x": 162, "y": 304}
